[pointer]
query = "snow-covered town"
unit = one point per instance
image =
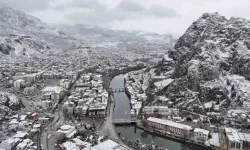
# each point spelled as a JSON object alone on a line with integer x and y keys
{"x": 80, "y": 87}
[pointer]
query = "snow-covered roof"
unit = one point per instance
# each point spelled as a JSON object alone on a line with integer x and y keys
{"x": 11, "y": 140}
{"x": 20, "y": 134}
{"x": 14, "y": 121}
{"x": 203, "y": 131}
{"x": 232, "y": 135}
{"x": 70, "y": 146}
{"x": 215, "y": 140}
{"x": 106, "y": 145}
{"x": 56, "y": 89}
{"x": 163, "y": 83}
{"x": 81, "y": 143}
{"x": 169, "y": 123}
{"x": 23, "y": 117}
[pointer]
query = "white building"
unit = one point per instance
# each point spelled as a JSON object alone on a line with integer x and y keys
{"x": 108, "y": 145}
{"x": 200, "y": 135}
{"x": 152, "y": 110}
{"x": 234, "y": 141}
{"x": 55, "y": 91}
{"x": 167, "y": 127}
{"x": 97, "y": 110}
{"x": 25, "y": 144}
{"x": 47, "y": 104}
{"x": 65, "y": 83}
{"x": 19, "y": 83}
{"x": 70, "y": 146}
{"x": 81, "y": 109}
{"x": 9, "y": 143}
{"x": 68, "y": 107}
{"x": 67, "y": 131}
{"x": 246, "y": 105}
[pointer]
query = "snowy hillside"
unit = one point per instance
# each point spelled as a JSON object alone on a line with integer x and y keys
{"x": 208, "y": 62}
{"x": 21, "y": 32}
{"x": 92, "y": 34}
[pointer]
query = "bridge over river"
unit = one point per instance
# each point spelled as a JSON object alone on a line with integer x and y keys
{"x": 116, "y": 90}
{"x": 123, "y": 121}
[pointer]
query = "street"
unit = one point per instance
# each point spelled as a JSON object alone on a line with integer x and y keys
{"x": 108, "y": 128}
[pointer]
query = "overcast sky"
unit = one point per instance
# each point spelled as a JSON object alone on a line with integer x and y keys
{"x": 162, "y": 16}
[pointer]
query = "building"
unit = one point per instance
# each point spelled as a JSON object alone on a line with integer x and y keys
{"x": 234, "y": 141}
{"x": 67, "y": 131}
{"x": 70, "y": 146}
{"x": 19, "y": 83}
{"x": 246, "y": 105}
{"x": 68, "y": 107}
{"x": 56, "y": 92}
{"x": 9, "y": 143}
{"x": 108, "y": 145}
{"x": 81, "y": 110}
{"x": 97, "y": 110}
{"x": 43, "y": 120}
{"x": 25, "y": 144}
{"x": 47, "y": 104}
{"x": 65, "y": 83}
{"x": 150, "y": 111}
{"x": 200, "y": 135}
{"x": 167, "y": 127}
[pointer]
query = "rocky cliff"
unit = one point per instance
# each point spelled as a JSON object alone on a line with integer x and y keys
{"x": 209, "y": 64}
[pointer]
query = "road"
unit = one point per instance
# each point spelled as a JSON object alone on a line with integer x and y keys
{"x": 108, "y": 128}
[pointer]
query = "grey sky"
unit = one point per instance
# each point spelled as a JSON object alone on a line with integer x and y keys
{"x": 162, "y": 16}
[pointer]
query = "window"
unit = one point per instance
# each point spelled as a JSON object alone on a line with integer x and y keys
{"x": 232, "y": 145}
{"x": 238, "y": 145}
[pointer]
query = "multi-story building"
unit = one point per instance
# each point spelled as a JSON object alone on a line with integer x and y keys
{"x": 168, "y": 127}
{"x": 97, "y": 110}
{"x": 234, "y": 141}
{"x": 56, "y": 92}
{"x": 200, "y": 135}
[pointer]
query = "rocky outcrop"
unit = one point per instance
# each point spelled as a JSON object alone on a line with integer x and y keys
{"x": 207, "y": 61}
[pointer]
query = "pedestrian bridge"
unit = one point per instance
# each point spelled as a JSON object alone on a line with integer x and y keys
{"x": 117, "y": 90}
{"x": 123, "y": 121}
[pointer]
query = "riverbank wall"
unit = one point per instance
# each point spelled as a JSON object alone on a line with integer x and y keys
{"x": 170, "y": 137}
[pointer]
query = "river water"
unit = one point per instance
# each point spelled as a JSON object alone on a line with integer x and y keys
{"x": 122, "y": 111}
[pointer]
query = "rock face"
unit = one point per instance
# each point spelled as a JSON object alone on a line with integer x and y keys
{"x": 209, "y": 60}
{"x": 8, "y": 104}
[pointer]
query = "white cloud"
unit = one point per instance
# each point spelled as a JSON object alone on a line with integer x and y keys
{"x": 154, "y": 15}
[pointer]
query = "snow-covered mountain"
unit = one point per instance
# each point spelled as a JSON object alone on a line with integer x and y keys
{"x": 93, "y": 34}
{"x": 22, "y": 34}
{"x": 209, "y": 64}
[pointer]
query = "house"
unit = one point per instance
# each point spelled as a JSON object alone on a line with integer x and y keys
{"x": 21, "y": 135}
{"x": 25, "y": 144}
{"x": 67, "y": 131}
{"x": 56, "y": 92}
{"x": 70, "y": 146}
{"x": 81, "y": 144}
{"x": 200, "y": 135}
{"x": 47, "y": 104}
{"x": 234, "y": 141}
{"x": 150, "y": 111}
{"x": 167, "y": 127}
{"x": 19, "y": 83}
{"x": 43, "y": 120}
{"x": 65, "y": 83}
{"x": 68, "y": 107}
{"x": 108, "y": 145}
{"x": 9, "y": 143}
{"x": 246, "y": 105}
{"x": 34, "y": 116}
{"x": 97, "y": 110}
{"x": 81, "y": 110}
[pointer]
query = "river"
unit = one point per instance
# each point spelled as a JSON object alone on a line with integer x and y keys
{"x": 122, "y": 111}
